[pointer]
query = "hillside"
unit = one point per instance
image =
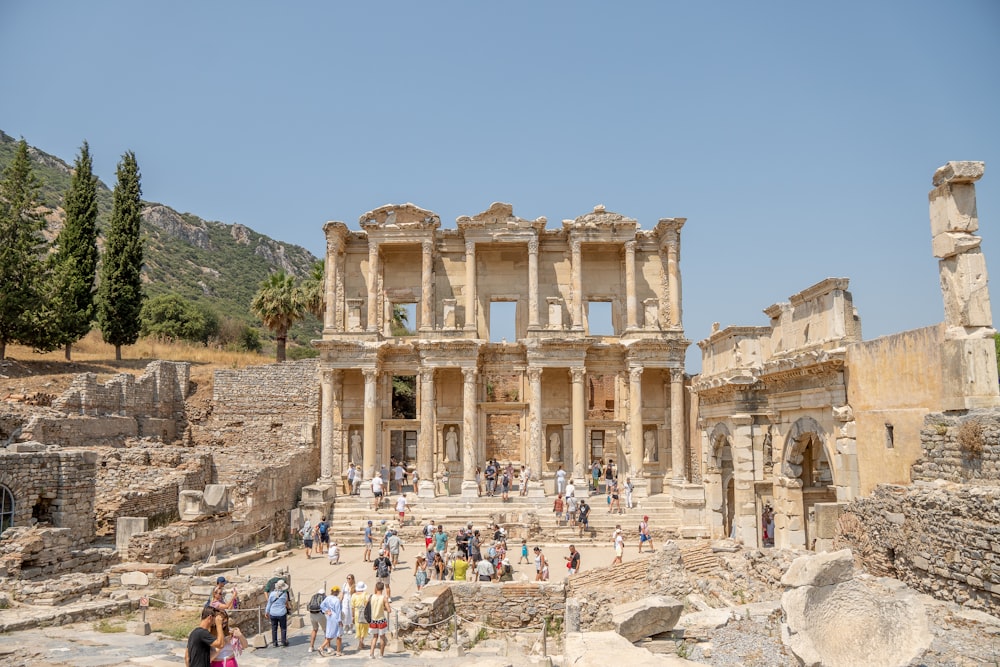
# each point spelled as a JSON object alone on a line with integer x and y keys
{"x": 214, "y": 263}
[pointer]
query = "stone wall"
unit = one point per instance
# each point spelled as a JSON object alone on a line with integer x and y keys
{"x": 940, "y": 539}
{"x": 187, "y": 541}
{"x": 961, "y": 448}
{"x": 51, "y": 485}
{"x": 33, "y": 553}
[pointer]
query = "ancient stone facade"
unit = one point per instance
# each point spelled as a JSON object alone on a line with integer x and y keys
{"x": 558, "y": 393}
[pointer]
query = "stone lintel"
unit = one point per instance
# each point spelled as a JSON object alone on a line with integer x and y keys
{"x": 959, "y": 172}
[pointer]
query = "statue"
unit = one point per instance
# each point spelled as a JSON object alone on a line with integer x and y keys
{"x": 649, "y": 446}
{"x": 555, "y": 447}
{"x": 451, "y": 445}
{"x": 356, "y": 446}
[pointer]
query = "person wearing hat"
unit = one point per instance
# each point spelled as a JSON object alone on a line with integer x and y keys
{"x": 276, "y": 611}
{"x": 358, "y": 602}
{"x": 644, "y": 536}
{"x": 619, "y": 539}
{"x": 218, "y": 597}
{"x": 333, "y": 610}
{"x": 316, "y": 617}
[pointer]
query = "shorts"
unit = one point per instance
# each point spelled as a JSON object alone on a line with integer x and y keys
{"x": 333, "y": 629}
{"x": 402, "y": 515}
{"x": 618, "y": 551}
{"x": 324, "y": 539}
{"x": 318, "y": 621}
{"x": 378, "y": 494}
{"x": 308, "y": 543}
{"x": 379, "y": 628}
{"x": 384, "y": 580}
{"x": 644, "y": 538}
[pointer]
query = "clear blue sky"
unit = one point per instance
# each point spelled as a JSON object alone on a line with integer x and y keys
{"x": 797, "y": 138}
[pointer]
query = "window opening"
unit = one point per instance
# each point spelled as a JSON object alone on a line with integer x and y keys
{"x": 403, "y": 320}
{"x": 596, "y": 445}
{"x": 6, "y": 508}
{"x": 599, "y": 321}
{"x": 403, "y": 445}
{"x": 503, "y": 321}
{"x": 890, "y": 437}
{"x": 404, "y": 396}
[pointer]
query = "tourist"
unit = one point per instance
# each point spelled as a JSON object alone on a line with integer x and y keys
{"x": 595, "y": 475}
{"x": 346, "y": 593}
{"x": 356, "y": 485}
{"x": 368, "y": 542}
{"x": 505, "y": 485}
{"x": 379, "y": 624}
{"x": 332, "y": 609}
{"x": 628, "y": 492}
{"x": 479, "y": 481}
{"x": 377, "y": 491}
{"x": 460, "y": 568}
{"x": 401, "y": 508}
{"x": 218, "y": 596}
{"x": 439, "y": 566}
{"x": 394, "y": 543}
{"x": 609, "y": 474}
{"x": 382, "y": 567}
{"x": 570, "y": 489}
{"x": 524, "y": 552}
{"x": 523, "y": 485}
{"x": 541, "y": 565}
{"x": 619, "y": 541}
{"x": 644, "y": 535}
{"x": 616, "y": 501}
{"x": 583, "y": 518}
{"x": 475, "y": 547}
{"x": 440, "y": 540}
{"x": 505, "y": 572}
{"x": 323, "y": 528}
{"x": 307, "y": 537}
{"x": 232, "y": 645}
{"x": 276, "y": 610}
{"x": 557, "y": 508}
{"x": 398, "y": 474}
{"x": 352, "y": 473}
{"x": 201, "y": 642}
{"x": 462, "y": 542}
{"x": 333, "y": 553}
{"x": 571, "y": 509}
{"x": 560, "y": 480}
{"x": 420, "y": 573}
{"x": 317, "y": 618}
{"x": 485, "y": 571}
{"x": 358, "y": 602}
{"x": 573, "y": 560}
{"x": 491, "y": 478}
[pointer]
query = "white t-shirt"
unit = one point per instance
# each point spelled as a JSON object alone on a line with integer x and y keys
{"x": 570, "y": 490}
{"x": 399, "y": 472}
{"x": 401, "y": 504}
{"x": 377, "y": 484}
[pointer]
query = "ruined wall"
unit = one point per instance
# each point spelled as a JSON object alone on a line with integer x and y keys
{"x": 28, "y": 553}
{"x": 187, "y": 541}
{"x": 944, "y": 541}
{"x": 961, "y": 448}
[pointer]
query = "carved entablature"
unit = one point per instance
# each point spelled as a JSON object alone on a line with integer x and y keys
{"x": 746, "y": 397}
{"x": 821, "y": 316}
{"x": 399, "y": 216}
{"x": 825, "y": 374}
{"x": 339, "y": 353}
{"x": 498, "y": 218}
{"x": 507, "y": 356}
{"x": 448, "y": 353}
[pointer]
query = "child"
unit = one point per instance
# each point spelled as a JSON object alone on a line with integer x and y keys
{"x": 334, "y": 553}
{"x": 524, "y": 552}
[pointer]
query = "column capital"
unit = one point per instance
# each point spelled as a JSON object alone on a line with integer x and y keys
{"x": 371, "y": 374}
{"x": 630, "y": 245}
{"x": 575, "y": 245}
{"x": 533, "y": 246}
{"x": 578, "y": 374}
{"x": 426, "y": 374}
{"x": 470, "y": 247}
{"x": 635, "y": 373}
{"x": 676, "y": 374}
{"x": 427, "y": 245}
{"x": 469, "y": 374}
{"x": 534, "y": 374}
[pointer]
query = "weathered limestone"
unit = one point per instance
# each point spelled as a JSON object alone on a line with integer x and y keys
{"x": 820, "y": 570}
{"x": 195, "y": 505}
{"x": 126, "y": 527}
{"x": 646, "y": 617}
{"x": 610, "y": 648}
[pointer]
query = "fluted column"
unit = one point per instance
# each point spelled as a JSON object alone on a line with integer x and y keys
{"x": 579, "y": 429}
{"x": 333, "y": 246}
{"x": 470, "y": 286}
{"x": 470, "y": 426}
{"x": 371, "y": 422}
{"x": 535, "y": 437}
{"x": 533, "y": 284}
{"x": 331, "y": 388}
{"x": 674, "y": 277}
{"x": 425, "y": 444}
{"x": 427, "y": 287}
{"x": 577, "y": 278}
{"x": 373, "y": 271}
{"x": 635, "y": 421}
{"x": 678, "y": 437}
{"x": 630, "y": 302}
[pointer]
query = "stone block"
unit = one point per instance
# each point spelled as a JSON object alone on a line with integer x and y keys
{"x": 953, "y": 209}
{"x": 134, "y": 579}
{"x": 965, "y": 290}
{"x": 142, "y": 628}
{"x": 953, "y": 243}
{"x": 820, "y": 570}
{"x": 190, "y": 505}
{"x": 826, "y": 519}
{"x": 648, "y": 616}
{"x": 959, "y": 172}
{"x": 126, "y": 527}
{"x": 216, "y": 497}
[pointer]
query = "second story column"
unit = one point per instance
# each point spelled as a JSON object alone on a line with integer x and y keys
{"x": 678, "y": 453}
{"x": 371, "y": 424}
{"x": 373, "y": 272}
{"x": 635, "y": 422}
{"x": 425, "y": 444}
{"x": 470, "y": 286}
{"x": 578, "y": 416}
{"x": 427, "y": 287}
{"x": 630, "y": 302}
{"x": 470, "y": 429}
{"x": 577, "y": 278}
{"x": 533, "y": 284}
{"x": 331, "y": 389}
{"x": 670, "y": 245}
{"x": 332, "y": 276}
{"x": 536, "y": 442}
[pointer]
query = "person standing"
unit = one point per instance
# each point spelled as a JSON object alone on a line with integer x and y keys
{"x": 491, "y": 478}
{"x": 420, "y": 573}
{"x": 276, "y": 610}
{"x": 383, "y": 569}
{"x": 595, "y": 475}
{"x": 440, "y": 540}
{"x": 323, "y": 527}
{"x": 394, "y": 543}
{"x": 571, "y": 510}
{"x": 644, "y": 535}
{"x": 609, "y": 474}
{"x": 358, "y": 602}
{"x": 332, "y": 609}
{"x": 570, "y": 489}
{"x": 557, "y": 508}
{"x": 428, "y": 534}
{"x": 317, "y": 619}
{"x": 352, "y": 472}
{"x": 377, "y": 491}
{"x": 573, "y": 560}
{"x": 201, "y": 642}
{"x": 584, "y": 517}
{"x": 379, "y": 625}
{"x": 541, "y": 565}
{"x": 368, "y": 542}
{"x": 560, "y": 480}
{"x": 616, "y": 499}
{"x": 460, "y": 568}
{"x": 307, "y": 537}
{"x": 233, "y": 643}
{"x": 401, "y": 508}
{"x": 619, "y": 545}
{"x": 398, "y": 473}
{"x": 628, "y": 492}
{"x": 485, "y": 570}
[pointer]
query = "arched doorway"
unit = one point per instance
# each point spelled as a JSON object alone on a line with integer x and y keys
{"x": 806, "y": 479}
{"x": 6, "y": 508}
{"x": 720, "y": 482}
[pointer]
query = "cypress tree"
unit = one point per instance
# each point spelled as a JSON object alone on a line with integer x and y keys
{"x": 70, "y": 297}
{"x": 21, "y": 265}
{"x": 120, "y": 296}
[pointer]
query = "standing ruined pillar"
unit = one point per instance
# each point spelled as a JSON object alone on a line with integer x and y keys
{"x": 427, "y": 286}
{"x": 536, "y": 442}
{"x": 425, "y": 444}
{"x": 470, "y": 287}
{"x": 678, "y": 453}
{"x": 577, "y": 280}
{"x": 331, "y": 388}
{"x": 371, "y": 423}
{"x": 373, "y": 271}
{"x": 635, "y": 462}
{"x": 579, "y": 414}
{"x": 630, "y": 302}
{"x": 533, "y": 284}
{"x": 470, "y": 458}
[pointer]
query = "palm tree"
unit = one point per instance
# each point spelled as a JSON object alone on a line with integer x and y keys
{"x": 314, "y": 290}
{"x": 279, "y": 304}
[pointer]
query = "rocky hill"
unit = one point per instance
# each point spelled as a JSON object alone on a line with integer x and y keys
{"x": 214, "y": 263}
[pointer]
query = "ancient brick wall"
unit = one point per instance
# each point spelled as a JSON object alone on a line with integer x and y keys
{"x": 960, "y": 448}
{"x": 188, "y": 541}
{"x": 503, "y": 437}
{"x": 158, "y": 392}
{"x": 941, "y": 540}
{"x": 28, "y": 553}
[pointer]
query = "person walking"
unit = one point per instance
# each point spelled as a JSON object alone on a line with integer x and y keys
{"x": 644, "y": 535}
{"x": 619, "y": 540}
{"x": 628, "y": 492}
{"x": 558, "y": 507}
{"x": 276, "y": 610}
{"x": 541, "y": 565}
{"x": 584, "y": 517}
{"x": 332, "y": 609}
{"x": 379, "y": 624}
{"x": 573, "y": 560}
{"x": 201, "y": 642}
{"x": 595, "y": 475}
{"x": 323, "y": 530}
{"x": 377, "y": 485}
{"x": 369, "y": 540}
{"x": 616, "y": 500}
{"x": 358, "y": 602}
{"x": 560, "y": 480}
{"x": 394, "y": 544}
{"x": 307, "y": 537}
{"x": 401, "y": 509}
{"x": 383, "y": 569}
{"x": 317, "y": 619}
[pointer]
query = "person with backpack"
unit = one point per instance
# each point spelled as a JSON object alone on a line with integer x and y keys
{"x": 307, "y": 537}
{"x": 316, "y": 617}
{"x": 383, "y": 568}
{"x": 359, "y": 602}
{"x": 324, "y": 535}
{"x": 276, "y": 610}
{"x": 332, "y": 609}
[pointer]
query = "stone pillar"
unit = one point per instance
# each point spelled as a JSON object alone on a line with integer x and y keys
{"x": 470, "y": 287}
{"x": 470, "y": 430}
{"x": 630, "y": 302}
{"x": 425, "y": 444}
{"x": 427, "y": 287}
{"x": 677, "y": 433}
{"x": 635, "y": 443}
{"x": 373, "y": 272}
{"x": 332, "y": 314}
{"x": 533, "y": 284}
{"x": 577, "y": 280}
{"x": 674, "y": 277}
{"x": 536, "y": 438}
{"x": 371, "y": 424}
{"x": 578, "y": 416}
{"x": 331, "y": 388}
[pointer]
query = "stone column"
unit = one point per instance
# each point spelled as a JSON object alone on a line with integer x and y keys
{"x": 371, "y": 424}
{"x": 578, "y": 416}
{"x": 533, "y": 284}
{"x": 373, "y": 271}
{"x": 469, "y": 434}
{"x": 577, "y": 280}
{"x": 427, "y": 287}
{"x": 674, "y": 276}
{"x": 536, "y": 439}
{"x": 331, "y": 388}
{"x": 470, "y": 287}
{"x": 635, "y": 442}
{"x": 425, "y": 444}
{"x": 630, "y": 302}
{"x": 332, "y": 316}
{"x": 677, "y": 434}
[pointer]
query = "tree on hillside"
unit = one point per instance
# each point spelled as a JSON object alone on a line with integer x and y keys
{"x": 172, "y": 317}
{"x": 279, "y": 305}
{"x": 69, "y": 302}
{"x": 21, "y": 265}
{"x": 119, "y": 302}
{"x": 314, "y": 290}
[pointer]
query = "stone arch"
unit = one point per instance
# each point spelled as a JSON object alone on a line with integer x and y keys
{"x": 17, "y": 515}
{"x": 805, "y": 455}
{"x": 720, "y": 480}
{"x": 806, "y": 478}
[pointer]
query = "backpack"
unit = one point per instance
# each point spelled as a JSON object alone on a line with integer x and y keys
{"x": 322, "y": 528}
{"x": 383, "y": 567}
{"x": 366, "y": 612}
{"x": 314, "y": 603}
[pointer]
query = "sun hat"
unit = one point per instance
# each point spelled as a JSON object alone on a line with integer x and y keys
{"x": 281, "y": 585}
{"x": 220, "y": 580}
{"x": 334, "y": 589}
{"x": 321, "y": 591}
{"x": 360, "y": 588}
